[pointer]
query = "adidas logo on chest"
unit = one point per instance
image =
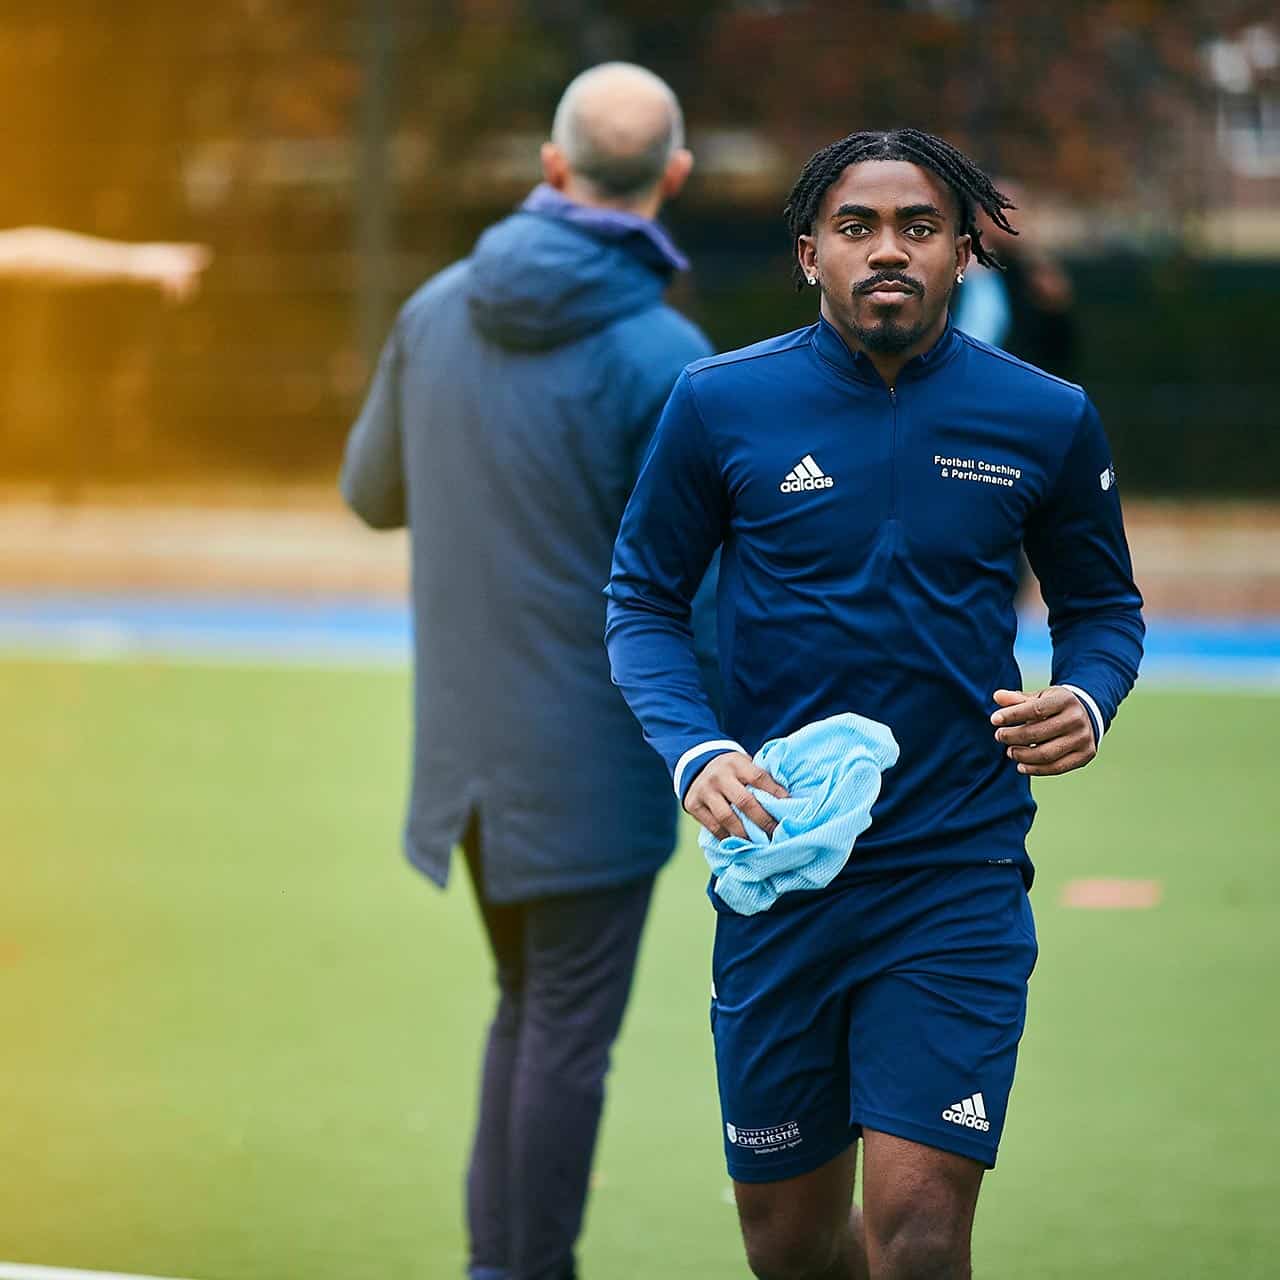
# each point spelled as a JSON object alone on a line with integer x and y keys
{"x": 806, "y": 476}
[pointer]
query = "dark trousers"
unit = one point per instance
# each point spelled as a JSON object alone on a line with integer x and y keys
{"x": 564, "y": 967}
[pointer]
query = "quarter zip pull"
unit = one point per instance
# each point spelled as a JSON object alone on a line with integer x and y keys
{"x": 893, "y": 457}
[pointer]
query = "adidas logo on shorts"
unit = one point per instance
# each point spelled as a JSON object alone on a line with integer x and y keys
{"x": 970, "y": 1114}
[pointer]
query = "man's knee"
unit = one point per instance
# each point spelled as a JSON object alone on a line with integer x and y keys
{"x": 780, "y": 1254}
{"x": 923, "y": 1248}
{"x": 568, "y": 1044}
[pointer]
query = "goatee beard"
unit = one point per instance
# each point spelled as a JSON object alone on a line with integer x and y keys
{"x": 888, "y": 338}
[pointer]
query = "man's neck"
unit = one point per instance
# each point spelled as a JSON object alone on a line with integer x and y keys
{"x": 583, "y": 193}
{"x": 888, "y": 364}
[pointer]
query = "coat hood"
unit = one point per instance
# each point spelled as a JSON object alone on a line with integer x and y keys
{"x": 555, "y": 271}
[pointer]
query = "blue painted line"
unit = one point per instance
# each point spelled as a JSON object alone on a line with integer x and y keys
{"x": 1241, "y": 651}
{"x": 102, "y": 626}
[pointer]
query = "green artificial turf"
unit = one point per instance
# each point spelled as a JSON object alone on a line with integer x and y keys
{"x": 238, "y": 1036}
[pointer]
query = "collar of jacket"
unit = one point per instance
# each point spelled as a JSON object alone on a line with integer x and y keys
{"x": 854, "y": 364}
{"x": 630, "y": 229}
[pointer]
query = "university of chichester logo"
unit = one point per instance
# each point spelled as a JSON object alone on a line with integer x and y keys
{"x": 806, "y": 476}
{"x": 763, "y": 1141}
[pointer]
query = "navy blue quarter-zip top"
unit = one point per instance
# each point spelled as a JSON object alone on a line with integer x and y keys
{"x": 870, "y": 542}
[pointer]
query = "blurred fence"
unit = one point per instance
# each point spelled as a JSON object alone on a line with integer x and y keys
{"x": 335, "y": 153}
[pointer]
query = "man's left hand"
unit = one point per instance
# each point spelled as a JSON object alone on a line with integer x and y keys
{"x": 1046, "y": 733}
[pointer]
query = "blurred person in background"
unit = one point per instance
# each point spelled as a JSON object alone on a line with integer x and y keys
{"x": 871, "y": 479}
{"x": 49, "y": 255}
{"x": 1028, "y": 306}
{"x": 505, "y": 426}
{"x": 1025, "y": 307}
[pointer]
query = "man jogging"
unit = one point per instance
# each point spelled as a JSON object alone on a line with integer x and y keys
{"x": 506, "y": 424}
{"x": 871, "y": 480}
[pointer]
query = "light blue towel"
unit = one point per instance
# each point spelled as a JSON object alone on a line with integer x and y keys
{"x": 831, "y": 770}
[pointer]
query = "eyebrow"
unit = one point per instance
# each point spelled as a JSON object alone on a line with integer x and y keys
{"x": 902, "y": 212}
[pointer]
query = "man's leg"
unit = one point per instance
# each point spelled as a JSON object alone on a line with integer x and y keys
{"x": 488, "y": 1198}
{"x": 804, "y": 1228}
{"x": 918, "y": 1204}
{"x": 933, "y": 1042}
{"x": 779, "y": 1018}
{"x": 580, "y": 953}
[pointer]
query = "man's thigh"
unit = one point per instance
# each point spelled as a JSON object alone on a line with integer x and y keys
{"x": 803, "y": 1225}
{"x": 504, "y": 923}
{"x": 579, "y": 957}
{"x": 934, "y": 1029}
{"x": 779, "y": 1018}
{"x": 917, "y": 1207}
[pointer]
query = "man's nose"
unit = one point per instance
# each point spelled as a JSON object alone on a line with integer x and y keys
{"x": 888, "y": 251}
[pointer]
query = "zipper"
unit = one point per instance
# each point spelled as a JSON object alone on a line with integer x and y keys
{"x": 893, "y": 456}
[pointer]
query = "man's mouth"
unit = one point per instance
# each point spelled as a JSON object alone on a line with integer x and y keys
{"x": 886, "y": 291}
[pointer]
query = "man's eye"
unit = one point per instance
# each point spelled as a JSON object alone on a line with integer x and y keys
{"x": 853, "y": 229}
{"x": 920, "y": 232}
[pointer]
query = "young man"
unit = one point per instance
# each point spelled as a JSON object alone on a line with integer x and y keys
{"x": 506, "y": 424}
{"x": 871, "y": 480}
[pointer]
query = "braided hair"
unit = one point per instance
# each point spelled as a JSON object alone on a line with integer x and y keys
{"x": 971, "y": 187}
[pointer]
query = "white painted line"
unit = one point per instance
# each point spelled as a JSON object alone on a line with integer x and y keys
{"x": 19, "y": 1271}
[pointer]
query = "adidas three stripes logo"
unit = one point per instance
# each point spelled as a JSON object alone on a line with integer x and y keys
{"x": 970, "y": 1113}
{"x": 806, "y": 476}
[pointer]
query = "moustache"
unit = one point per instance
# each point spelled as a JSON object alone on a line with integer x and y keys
{"x": 881, "y": 278}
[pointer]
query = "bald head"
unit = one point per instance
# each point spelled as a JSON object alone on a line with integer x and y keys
{"x": 617, "y": 127}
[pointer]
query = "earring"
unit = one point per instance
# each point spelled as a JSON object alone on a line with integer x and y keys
{"x": 813, "y": 279}
{"x": 959, "y": 277}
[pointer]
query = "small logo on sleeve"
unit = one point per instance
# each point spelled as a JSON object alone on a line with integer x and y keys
{"x": 1107, "y": 477}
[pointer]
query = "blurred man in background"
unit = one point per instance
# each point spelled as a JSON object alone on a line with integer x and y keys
{"x": 48, "y": 255}
{"x": 505, "y": 426}
{"x": 1028, "y": 307}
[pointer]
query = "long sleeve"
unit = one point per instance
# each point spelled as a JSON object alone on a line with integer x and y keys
{"x": 1076, "y": 545}
{"x": 657, "y": 377}
{"x": 670, "y": 531}
{"x": 372, "y": 480}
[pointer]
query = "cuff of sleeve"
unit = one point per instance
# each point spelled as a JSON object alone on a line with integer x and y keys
{"x": 1095, "y": 714}
{"x": 696, "y": 758}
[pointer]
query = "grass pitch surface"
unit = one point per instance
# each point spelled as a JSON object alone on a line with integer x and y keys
{"x": 239, "y": 1036}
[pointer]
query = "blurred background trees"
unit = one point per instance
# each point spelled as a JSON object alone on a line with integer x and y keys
{"x": 335, "y": 152}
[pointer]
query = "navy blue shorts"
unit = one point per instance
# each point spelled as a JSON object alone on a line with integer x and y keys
{"x": 891, "y": 1002}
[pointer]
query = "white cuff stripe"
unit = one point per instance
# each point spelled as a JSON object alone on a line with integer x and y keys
{"x": 1092, "y": 708}
{"x": 694, "y": 752}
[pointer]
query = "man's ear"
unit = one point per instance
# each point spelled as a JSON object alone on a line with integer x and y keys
{"x": 555, "y": 167}
{"x": 964, "y": 253}
{"x": 807, "y": 253}
{"x": 676, "y": 174}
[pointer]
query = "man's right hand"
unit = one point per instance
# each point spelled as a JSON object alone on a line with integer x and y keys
{"x": 174, "y": 269}
{"x": 721, "y": 786}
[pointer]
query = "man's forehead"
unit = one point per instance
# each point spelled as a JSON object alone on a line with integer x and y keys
{"x": 887, "y": 185}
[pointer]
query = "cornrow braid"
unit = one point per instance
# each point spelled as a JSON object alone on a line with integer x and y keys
{"x": 972, "y": 188}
